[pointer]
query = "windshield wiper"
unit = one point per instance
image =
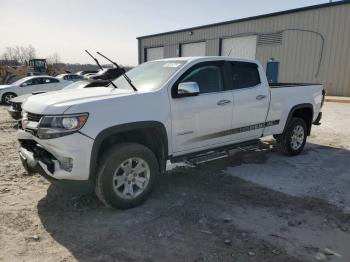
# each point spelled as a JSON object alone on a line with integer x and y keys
{"x": 98, "y": 64}
{"x": 120, "y": 68}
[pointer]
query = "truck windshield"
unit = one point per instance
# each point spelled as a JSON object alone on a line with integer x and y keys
{"x": 149, "y": 76}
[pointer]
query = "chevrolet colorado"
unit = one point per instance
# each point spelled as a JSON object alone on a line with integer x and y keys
{"x": 116, "y": 139}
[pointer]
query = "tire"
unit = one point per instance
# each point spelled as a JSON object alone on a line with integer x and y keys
{"x": 7, "y": 97}
{"x": 118, "y": 176}
{"x": 293, "y": 139}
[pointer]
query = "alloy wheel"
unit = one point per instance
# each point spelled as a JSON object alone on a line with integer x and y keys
{"x": 131, "y": 178}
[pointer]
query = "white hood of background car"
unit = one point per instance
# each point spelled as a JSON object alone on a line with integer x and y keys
{"x": 60, "y": 101}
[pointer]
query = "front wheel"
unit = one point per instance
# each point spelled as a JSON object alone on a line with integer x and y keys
{"x": 6, "y": 98}
{"x": 293, "y": 139}
{"x": 126, "y": 175}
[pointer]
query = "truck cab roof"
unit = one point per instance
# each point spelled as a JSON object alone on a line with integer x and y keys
{"x": 208, "y": 58}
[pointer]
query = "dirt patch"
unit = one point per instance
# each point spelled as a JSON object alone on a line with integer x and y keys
{"x": 212, "y": 212}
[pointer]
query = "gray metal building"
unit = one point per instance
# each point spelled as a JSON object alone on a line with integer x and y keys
{"x": 308, "y": 45}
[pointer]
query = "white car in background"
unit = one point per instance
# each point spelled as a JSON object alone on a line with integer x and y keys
{"x": 71, "y": 77}
{"x": 15, "y": 108}
{"x": 29, "y": 85}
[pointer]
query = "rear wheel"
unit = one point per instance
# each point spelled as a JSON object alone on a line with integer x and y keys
{"x": 126, "y": 175}
{"x": 6, "y": 98}
{"x": 293, "y": 139}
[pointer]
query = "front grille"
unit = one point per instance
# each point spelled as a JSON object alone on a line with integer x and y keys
{"x": 33, "y": 117}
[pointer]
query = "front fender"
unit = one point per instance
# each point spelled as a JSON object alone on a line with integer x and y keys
{"x": 114, "y": 130}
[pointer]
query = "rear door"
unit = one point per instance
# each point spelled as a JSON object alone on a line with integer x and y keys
{"x": 202, "y": 121}
{"x": 52, "y": 84}
{"x": 251, "y": 99}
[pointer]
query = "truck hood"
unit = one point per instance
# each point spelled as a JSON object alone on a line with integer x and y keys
{"x": 59, "y": 101}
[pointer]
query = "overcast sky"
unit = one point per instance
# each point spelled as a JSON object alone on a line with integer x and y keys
{"x": 111, "y": 26}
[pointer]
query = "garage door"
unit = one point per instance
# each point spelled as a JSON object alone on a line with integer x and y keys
{"x": 242, "y": 47}
{"x": 154, "y": 53}
{"x": 193, "y": 49}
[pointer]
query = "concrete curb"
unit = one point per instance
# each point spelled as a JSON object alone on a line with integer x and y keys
{"x": 337, "y": 99}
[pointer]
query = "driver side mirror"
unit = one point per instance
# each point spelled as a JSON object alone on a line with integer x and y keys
{"x": 187, "y": 89}
{"x": 24, "y": 84}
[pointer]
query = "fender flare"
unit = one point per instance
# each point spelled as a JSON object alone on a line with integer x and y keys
{"x": 114, "y": 130}
{"x": 296, "y": 107}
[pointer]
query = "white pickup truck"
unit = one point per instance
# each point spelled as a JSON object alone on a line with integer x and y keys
{"x": 117, "y": 140}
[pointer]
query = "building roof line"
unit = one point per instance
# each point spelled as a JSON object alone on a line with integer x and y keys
{"x": 253, "y": 18}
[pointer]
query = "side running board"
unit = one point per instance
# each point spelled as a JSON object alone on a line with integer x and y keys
{"x": 217, "y": 153}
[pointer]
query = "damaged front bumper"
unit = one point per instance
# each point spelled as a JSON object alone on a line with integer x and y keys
{"x": 55, "y": 165}
{"x": 47, "y": 166}
{"x": 14, "y": 113}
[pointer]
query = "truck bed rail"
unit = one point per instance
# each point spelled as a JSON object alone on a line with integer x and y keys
{"x": 280, "y": 85}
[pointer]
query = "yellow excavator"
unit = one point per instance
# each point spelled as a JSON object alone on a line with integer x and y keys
{"x": 9, "y": 74}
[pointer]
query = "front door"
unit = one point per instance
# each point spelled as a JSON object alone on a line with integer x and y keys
{"x": 31, "y": 85}
{"x": 199, "y": 122}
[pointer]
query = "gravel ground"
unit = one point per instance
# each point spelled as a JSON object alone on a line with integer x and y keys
{"x": 252, "y": 206}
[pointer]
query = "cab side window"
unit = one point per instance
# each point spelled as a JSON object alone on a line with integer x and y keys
{"x": 245, "y": 75}
{"x": 208, "y": 77}
{"x": 28, "y": 83}
{"x": 37, "y": 81}
{"x": 50, "y": 80}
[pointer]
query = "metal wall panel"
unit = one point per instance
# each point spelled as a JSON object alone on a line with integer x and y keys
{"x": 303, "y": 32}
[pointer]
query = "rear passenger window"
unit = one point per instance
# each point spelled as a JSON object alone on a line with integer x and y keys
{"x": 37, "y": 81}
{"x": 245, "y": 75}
{"x": 51, "y": 80}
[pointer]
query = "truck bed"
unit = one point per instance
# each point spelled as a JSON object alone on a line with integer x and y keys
{"x": 285, "y": 96}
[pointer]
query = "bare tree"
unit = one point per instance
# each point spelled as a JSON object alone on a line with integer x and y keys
{"x": 19, "y": 53}
{"x": 53, "y": 59}
{"x": 31, "y": 52}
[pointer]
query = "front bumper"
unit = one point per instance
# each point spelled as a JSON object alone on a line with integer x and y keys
{"x": 64, "y": 160}
{"x": 15, "y": 114}
{"x": 36, "y": 165}
{"x": 32, "y": 165}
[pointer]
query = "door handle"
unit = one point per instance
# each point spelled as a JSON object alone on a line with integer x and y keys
{"x": 260, "y": 97}
{"x": 223, "y": 102}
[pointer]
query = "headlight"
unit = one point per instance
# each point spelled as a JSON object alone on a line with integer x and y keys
{"x": 60, "y": 125}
